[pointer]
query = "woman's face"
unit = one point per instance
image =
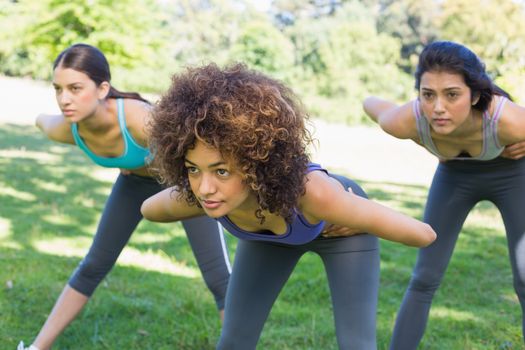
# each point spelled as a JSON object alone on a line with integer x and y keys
{"x": 77, "y": 95}
{"x": 215, "y": 182}
{"x": 445, "y": 100}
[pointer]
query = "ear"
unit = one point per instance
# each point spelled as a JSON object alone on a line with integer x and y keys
{"x": 103, "y": 90}
{"x": 475, "y": 98}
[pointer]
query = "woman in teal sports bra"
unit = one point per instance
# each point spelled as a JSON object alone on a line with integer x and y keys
{"x": 109, "y": 126}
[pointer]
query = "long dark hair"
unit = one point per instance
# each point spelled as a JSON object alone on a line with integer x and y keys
{"x": 455, "y": 58}
{"x": 92, "y": 62}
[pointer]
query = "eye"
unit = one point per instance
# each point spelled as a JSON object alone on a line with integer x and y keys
{"x": 427, "y": 95}
{"x": 57, "y": 89}
{"x": 452, "y": 95}
{"x": 223, "y": 172}
{"x": 75, "y": 88}
{"x": 191, "y": 170}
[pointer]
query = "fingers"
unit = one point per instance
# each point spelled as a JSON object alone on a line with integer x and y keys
{"x": 338, "y": 231}
{"x": 514, "y": 151}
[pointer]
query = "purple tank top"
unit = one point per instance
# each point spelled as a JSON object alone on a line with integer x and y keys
{"x": 299, "y": 231}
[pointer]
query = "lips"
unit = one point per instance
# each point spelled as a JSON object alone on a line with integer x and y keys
{"x": 68, "y": 111}
{"x": 440, "y": 121}
{"x": 209, "y": 204}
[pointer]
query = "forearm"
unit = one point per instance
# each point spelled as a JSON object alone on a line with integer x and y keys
{"x": 394, "y": 226}
{"x": 384, "y": 222}
{"x": 167, "y": 206}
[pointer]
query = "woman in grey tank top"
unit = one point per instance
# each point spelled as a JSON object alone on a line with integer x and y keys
{"x": 463, "y": 118}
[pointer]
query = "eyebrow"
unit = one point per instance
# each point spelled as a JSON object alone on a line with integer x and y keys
{"x": 75, "y": 83}
{"x": 210, "y": 166}
{"x": 446, "y": 89}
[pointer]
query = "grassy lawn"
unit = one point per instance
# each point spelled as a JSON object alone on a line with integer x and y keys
{"x": 51, "y": 198}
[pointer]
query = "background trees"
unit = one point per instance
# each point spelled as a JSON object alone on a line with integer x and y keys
{"x": 333, "y": 52}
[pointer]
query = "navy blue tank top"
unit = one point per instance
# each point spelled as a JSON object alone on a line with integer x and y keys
{"x": 299, "y": 231}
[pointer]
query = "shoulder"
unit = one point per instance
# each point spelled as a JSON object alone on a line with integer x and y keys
{"x": 511, "y": 124}
{"x": 321, "y": 191}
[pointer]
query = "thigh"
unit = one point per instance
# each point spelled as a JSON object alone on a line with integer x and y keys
{"x": 450, "y": 199}
{"x": 121, "y": 213}
{"x": 260, "y": 270}
{"x": 509, "y": 197}
{"x": 352, "y": 267}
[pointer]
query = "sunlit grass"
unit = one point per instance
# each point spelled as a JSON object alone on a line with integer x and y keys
{"x": 149, "y": 260}
{"x": 154, "y": 298}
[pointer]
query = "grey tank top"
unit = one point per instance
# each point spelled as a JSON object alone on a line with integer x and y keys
{"x": 491, "y": 147}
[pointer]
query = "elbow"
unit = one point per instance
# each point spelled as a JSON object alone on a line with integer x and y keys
{"x": 145, "y": 210}
{"x": 428, "y": 236}
{"x": 38, "y": 122}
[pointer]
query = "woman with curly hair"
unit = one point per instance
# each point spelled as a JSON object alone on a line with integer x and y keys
{"x": 232, "y": 144}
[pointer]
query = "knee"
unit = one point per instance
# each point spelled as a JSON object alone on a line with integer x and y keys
{"x": 95, "y": 266}
{"x": 425, "y": 283}
{"x": 519, "y": 287}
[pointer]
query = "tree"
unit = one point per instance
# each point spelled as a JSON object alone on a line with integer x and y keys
{"x": 493, "y": 29}
{"x": 413, "y": 22}
{"x": 131, "y": 33}
{"x": 272, "y": 52}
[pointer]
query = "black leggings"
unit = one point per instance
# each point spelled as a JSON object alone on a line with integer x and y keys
{"x": 120, "y": 218}
{"x": 456, "y": 188}
{"x": 261, "y": 269}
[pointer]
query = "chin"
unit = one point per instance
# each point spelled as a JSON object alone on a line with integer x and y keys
{"x": 214, "y": 214}
{"x": 447, "y": 130}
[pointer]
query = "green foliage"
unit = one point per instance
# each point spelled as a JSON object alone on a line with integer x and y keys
{"x": 413, "y": 22}
{"x": 272, "y": 52}
{"x": 130, "y": 33}
{"x": 494, "y": 32}
{"x": 348, "y": 59}
{"x": 333, "y": 53}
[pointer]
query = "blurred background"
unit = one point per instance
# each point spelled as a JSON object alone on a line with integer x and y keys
{"x": 333, "y": 54}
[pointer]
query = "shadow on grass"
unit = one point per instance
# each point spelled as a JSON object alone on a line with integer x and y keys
{"x": 48, "y": 191}
{"x": 132, "y": 309}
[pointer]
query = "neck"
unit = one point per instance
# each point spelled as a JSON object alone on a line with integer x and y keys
{"x": 100, "y": 121}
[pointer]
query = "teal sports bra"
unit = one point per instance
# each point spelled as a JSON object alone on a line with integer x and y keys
{"x": 134, "y": 156}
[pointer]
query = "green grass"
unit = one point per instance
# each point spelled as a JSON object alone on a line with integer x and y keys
{"x": 50, "y": 201}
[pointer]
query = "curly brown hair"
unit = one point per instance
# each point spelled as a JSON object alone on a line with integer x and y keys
{"x": 253, "y": 119}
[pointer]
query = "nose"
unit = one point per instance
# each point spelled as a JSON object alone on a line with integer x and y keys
{"x": 439, "y": 108}
{"x": 64, "y": 98}
{"x": 207, "y": 185}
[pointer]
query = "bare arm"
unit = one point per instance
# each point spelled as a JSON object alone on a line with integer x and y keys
{"x": 325, "y": 200}
{"x": 55, "y": 127}
{"x": 166, "y": 207}
{"x": 398, "y": 121}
